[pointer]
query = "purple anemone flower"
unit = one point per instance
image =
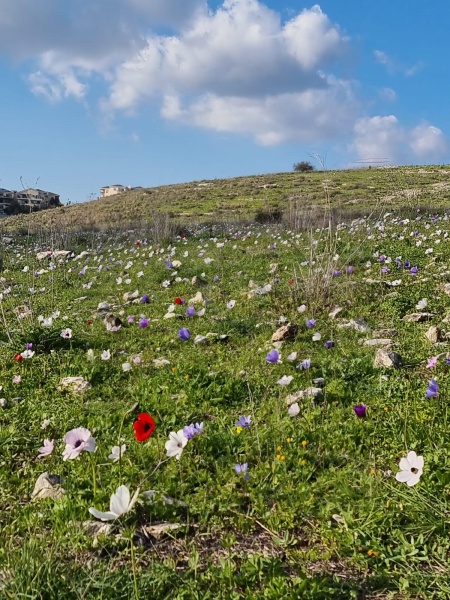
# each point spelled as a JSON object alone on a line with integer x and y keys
{"x": 216, "y": 278}
{"x": 432, "y": 389}
{"x": 304, "y": 365}
{"x": 273, "y": 356}
{"x": 414, "y": 270}
{"x": 350, "y": 270}
{"x": 360, "y": 410}
{"x": 407, "y": 264}
{"x": 310, "y": 323}
{"x": 241, "y": 468}
{"x": 189, "y": 431}
{"x": 190, "y": 312}
{"x": 143, "y": 323}
{"x": 145, "y": 299}
{"x": 184, "y": 334}
{"x": 328, "y": 344}
{"x": 243, "y": 422}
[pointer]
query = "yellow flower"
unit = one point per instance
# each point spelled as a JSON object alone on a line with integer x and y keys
{"x": 304, "y": 443}
{"x": 373, "y": 471}
{"x": 278, "y": 448}
{"x": 386, "y": 409}
{"x": 173, "y": 369}
{"x": 186, "y": 377}
{"x": 303, "y": 462}
{"x": 289, "y": 440}
{"x": 238, "y": 429}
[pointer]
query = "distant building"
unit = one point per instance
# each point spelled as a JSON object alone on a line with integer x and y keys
{"x": 112, "y": 190}
{"x": 14, "y": 202}
{"x": 6, "y": 197}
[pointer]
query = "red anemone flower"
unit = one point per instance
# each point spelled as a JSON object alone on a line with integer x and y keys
{"x": 138, "y": 243}
{"x": 88, "y": 323}
{"x": 178, "y": 301}
{"x": 18, "y": 357}
{"x": 144, "y": 426}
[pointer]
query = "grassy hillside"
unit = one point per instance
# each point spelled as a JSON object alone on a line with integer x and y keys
{"x": 349, "y": 192}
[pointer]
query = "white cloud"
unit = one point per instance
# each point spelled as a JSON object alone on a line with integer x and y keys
{"x": 387, "y": 94}
{"x": 312, "y": 39}
{"x": 311, "y": 116}
{"x": 428, "y": 142}
{"x": 393, "y": 66}
{"x": 238, "y": 68}
{"x": 382, "y": 138}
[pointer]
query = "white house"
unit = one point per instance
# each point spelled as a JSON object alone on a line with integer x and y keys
{"x": 111, "y": 190}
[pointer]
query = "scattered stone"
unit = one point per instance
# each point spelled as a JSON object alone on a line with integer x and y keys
{"x": 378, "y": 342}
{"x": 3, "y": 402}
{"x": 209, "y": 337}
{"x": 334, "y": 313}
{"x": 311, "y": 392}
{"x": 197, "y": 281}
{"x": 75, "y": 384}
{"x": 446, "y": 288}
{"x": 47, "y": 486}
{"x": 260, "y": 291}
{"x": 384, "y": 358}
{"x": 417, "y": 317}
{"x": 128, "y": 296}
{"x": 104, "y": 306}
{"x": 199, "y": 298}
{"x": 356, "y": 324}
{"x": 97, "y": 528}
{"x": 286, "y": 332}
{"x": 384, "y": 333}
{"x": 111, "y": 320}
{"x": 359, "y": 325}
{"x": 53, "y": 254}
{"x": 159, "y": 529}
{"x": 433, "y": 334}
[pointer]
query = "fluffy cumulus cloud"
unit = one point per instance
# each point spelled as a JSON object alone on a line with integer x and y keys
{"x": 382, "y": 138}
{"x": 238, "y": 68}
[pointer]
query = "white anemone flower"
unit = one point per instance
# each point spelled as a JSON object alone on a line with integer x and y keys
{"x": 294, "y": 409}
{"x": 117, "y": 452}
{"x": 175, "y": 444}
{"x": 105, "y": 355}
{"x": 422, "y": 304}
{"x": 66, "y": 333}
{"x": 285, "y": 380}
{"x": 411, "y": 469}
{"x": 120, "y": 504}
{"x": 78, "y": 440}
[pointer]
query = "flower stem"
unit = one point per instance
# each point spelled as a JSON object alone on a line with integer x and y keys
{"x": 133, "y": 568}
{"x": 94, "y": 479}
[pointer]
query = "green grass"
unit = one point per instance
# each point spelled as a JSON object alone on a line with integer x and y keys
{"x": 353, "y": 192}
{"x": 321, "y": 515}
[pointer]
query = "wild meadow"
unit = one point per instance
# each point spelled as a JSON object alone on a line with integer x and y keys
{"x": 239, "y": 411}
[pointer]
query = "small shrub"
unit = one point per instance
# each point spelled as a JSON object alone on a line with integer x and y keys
{"x": 303, "y": 166}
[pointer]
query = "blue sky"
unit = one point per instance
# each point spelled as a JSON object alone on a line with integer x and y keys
{"x": 152, "y": 92}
